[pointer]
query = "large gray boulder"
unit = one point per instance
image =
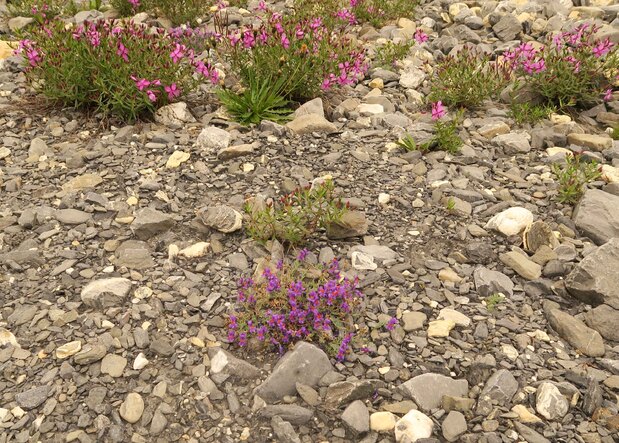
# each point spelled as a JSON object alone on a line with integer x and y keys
{"x": 597, "y": 216}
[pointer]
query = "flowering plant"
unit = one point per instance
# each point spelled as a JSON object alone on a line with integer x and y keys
{"x": 378, "y": 12}
{"x": 118, "y": 69}
{"x": 309, "y": 54}
{"x": 296, "y": 302}
{"x": 574, "y": 69}
{"x": 445, "y": 137}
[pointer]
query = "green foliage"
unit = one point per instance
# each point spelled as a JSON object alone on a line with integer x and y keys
{"x": 261, "y": 100}
{"x": 123, "y": 71}
{"x": 467, "y": 79}
{"x": 388, "y": 54}
{"x": 42, "y": 10}
{"x": 296, "y": 216}
{"x": 529, "y": 113}
{"x": 408, "y": 143}
{"x": 451, "y": 204}
{"x": 179, "y": 12}
{"x": 615, "y": 133}
{"x": 574, "y": 176}
{"x": 575, "y": 69}
{"x": 380, "y": 12}
{"x": 492, "y": 301}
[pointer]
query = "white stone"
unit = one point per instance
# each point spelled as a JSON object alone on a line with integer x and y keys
{"x": 384, "y": 198}
{"x": 550, "y": 403}
{"x": 382, "y": 421}
{"x": 369, "y": 109}
{"x": 414, "y": 426}
{"x": 511, "y": 221}
{"x": 132, "y": 408}
{"x": 213, "y": 138}
{"x": 68, "y": 349}
{"x": 176, "y": 159}
{"x": 7, "y": 338}
{"x": 140, "y": 362}
{"x": 196, "y": 250}
{"x": 362, "y": 262}
{"x": 457, "y": 317}
{"x": 174, "y": 114}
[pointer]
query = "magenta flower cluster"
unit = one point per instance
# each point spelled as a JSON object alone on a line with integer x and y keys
{"x": 283, "y": 308}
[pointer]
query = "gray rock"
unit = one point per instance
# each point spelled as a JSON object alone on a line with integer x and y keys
{"x": 213, "y": 139}
{"x": 454, "y": 426}
{"x": 72, "y": 216}
{"x": 593, "y": 397}
{"x": 513, "y": 143}
{"x": 507, "y": 28}
{"x": 604, "y": 319}
{"x": 237, "y": 151}
{"x": 134, "y": 254}
{"x": 413, "y": 320}
{"x": 597, "y": 215}
{"x": 356, "y": 418}
{"x": 132, "y": 408}
{"x": 427, "y": 390}
{"x": 352, "y": 224}
{"x": 304, "y": 364}
{"x": 221, "y": 218}
{"x": 522, "y": 265}
{"x": 114, "y": 365}
{"x": 377, "y": 252}
{"x": 488, "y": 282}
{"x": 174, "y": 115}
{"x": 595, "y": 279}
{"x": 224, "y": 365}
{"x": 284, "y": 430}
{"x": 576, "y": 333}
{"x": 296, "y": 415}
{"x": 344, "y": 392}
{"x": 32, "y": 398}
{"x": 161, "y": 347}
{"x": 106, "y": 293}
{"x": 529, "y": 434}
{"x": 17, "y": 23}
{"x": 90, "y": 353}
{"x": 308, "y": 123}
{"x": 149, "y": 222}
{"x": 550, "y": 403}
{"x": 499, "y": 389}
{"x": 314, "y": 106}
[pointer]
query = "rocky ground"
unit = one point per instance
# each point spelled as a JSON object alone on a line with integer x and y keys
{"x": 114, "y": 286}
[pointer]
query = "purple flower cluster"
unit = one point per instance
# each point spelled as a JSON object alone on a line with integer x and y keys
{"x": 284, "y": 307}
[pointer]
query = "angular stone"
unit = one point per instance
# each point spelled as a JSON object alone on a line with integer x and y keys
{"x": 114, "y": 365}
{"x": 32, "y": 398}
{"x": 90, "y": 353}
{"x": 597, "y": 215}
{"x": 522, "y": 265}
{"x": 576, "y": 333}
{"x": 306, "y": 124}
{"x": 512, "y": 221}
{"x": 221, "y": 218}
{"x": 284, "y": 430}
{"x": 106, "y": 293}
{"x": 149, "y": 222}
{"x": 595, "y": 279}
{"x": 68, "y": 349}
{"x": 440, "y": 328}
{"x": 72, "y": 216}
{"x": 414, "y": 426}
{"x": 382, "y": 421}
{"x": 488, "y": 282}
{"x": 413, "y": 320}
{"x": 529, "y": 434}
{"x": 550, "y": 403}
{"x": 356, "y": 418}
{"x": 176, "y": 159}
{"x": 132, "y": 408}
{"x": 344, "y": 392}
{"x": 225, "y": 364}
{"x": 237, "y": 151}
{"x": 427, "y": 390}
{"x": 499, "y": 389}
{"x": 454, "y": 426}
{"x": 507, "y": 28}
{"x": 304, "y": 364}
{"x": 213, "y": 139}
{"x": 296, "y": 415}
{"x": 352, "y": 224}
{"x": 174, "y": 114}
{"x": 134, "y": 254}
{"x": 491, "y": 130}
{"x": 605, "y": 320}
{"x": 82, "y": 182}
{"x": 513, "y": 143}
{"x": 596, "y": 143}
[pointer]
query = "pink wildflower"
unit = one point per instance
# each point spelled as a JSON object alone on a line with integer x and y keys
{"x": 285, "y": 41}
{"x": 438, "y": 110}
{"x": 151, "y": 95}
{"x": 608, "y": 95}
{"x": 122, "y": 52}
{"x": 262, "y": 6}
{"x": 173, "y": 91}
{"x": 602, "y": 48}
{"x": 135, "y": 4}
{"x": 420, "y": 36}
{"x": 248, "y": 39}
{"x": 178, "y": 53}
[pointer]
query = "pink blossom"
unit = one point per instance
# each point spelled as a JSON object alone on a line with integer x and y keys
{"x": 262, "y": 6}
{"x": 602, "y": 48}
{"x": 608, "y": 95}
{"x": 34, "y": 56}
{"x": 141, "y": 83}
{"x": 248, "y": 39}
{"x": 173, "y": 91}
{"x": 438, "y": 110}
{"x": 178, "y": 53}
{"x": 234, "y": 38}
{"x": 263, "y": 36}
{"x": 420, "y": 36}
{"x": 151, "y": 95}
{"x": 122, "y": 51}
{"x": 315, "y": 23}
{"x": 94, "y": 37}
{"x": 285, "y": 41}
{"x": 135, "y": 4}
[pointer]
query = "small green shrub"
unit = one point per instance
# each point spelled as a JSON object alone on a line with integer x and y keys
{"x": 529, "y": 113}
{"x": 261, "y": 100}
{"x": 574, "y": 70}
{"x": 615, "y": 133}
{"x": 118, "y": 69}
{"x": 296, "y": 216}
{"x": 379, "y": 12}
{"x": 39, "y": 9}
{"x": 408, "y": 143}
{"x": 445, "y": 136}
{"x": 467, "y": 79}
{"x": 310, "y": 56}
{"x": 179, "y": 12}
{"x": 574, "y": 176}
{"x": 492, "y": 301}
{"x": 388, "y": 54}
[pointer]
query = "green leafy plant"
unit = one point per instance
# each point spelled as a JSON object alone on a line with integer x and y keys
{"x": 615, "y": 133}
{"x": 451, "y": 204}
{"x": 468, "y": 78}
{"x": 388, "y": 54}
{"x": 296, "y": 216}
{"x": 261, "y": 100}
{"x": 179, "y": 12}
{"x": 529, "y": 113}
{"x": 574, "y": 176}
{"x": 379, "y": 12}
{"x": 309, "y": 55}
{"x": 408, "y": 143}
{"x": 446, "y": 136}
{"x": 42, "y": 10}
{"x": 116, "y": 68}
{"x": 574, "y": 70}
{"x": 288, "y": 303}
{"x": 492, "y": 301}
